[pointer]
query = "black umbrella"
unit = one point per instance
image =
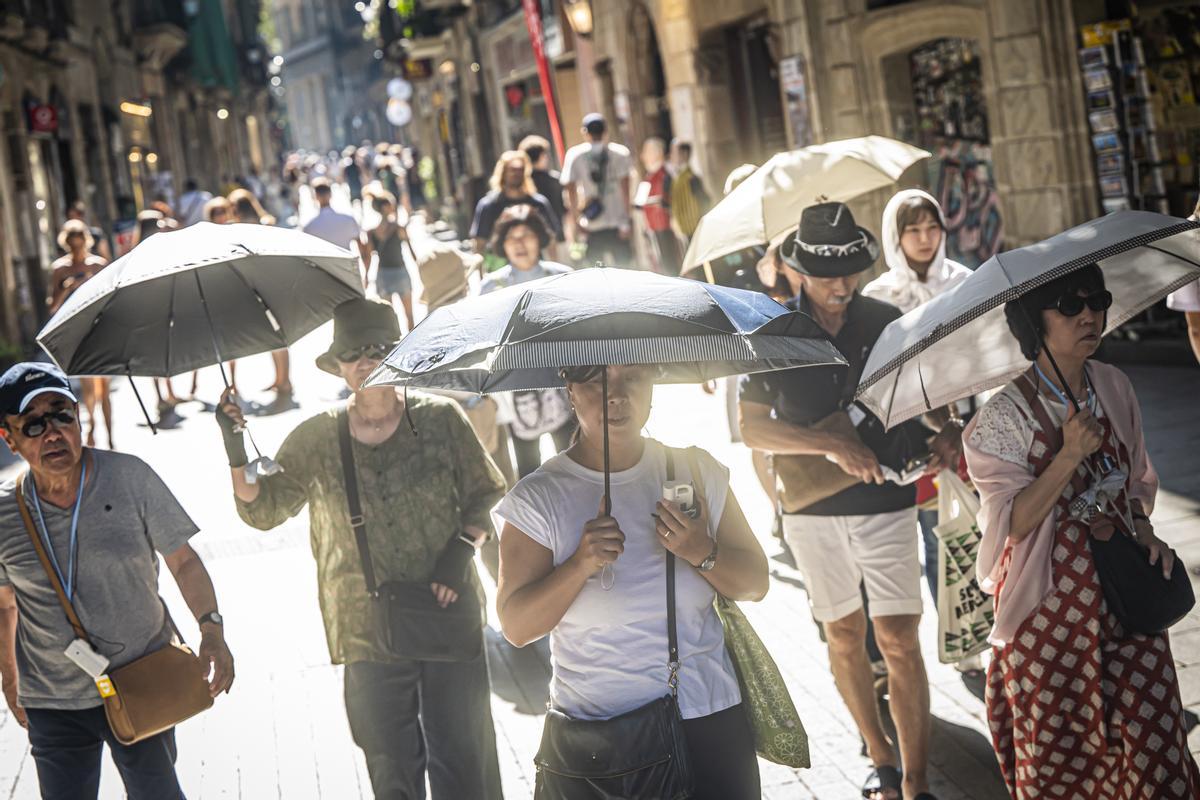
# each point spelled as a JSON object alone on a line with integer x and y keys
{"x": 520, "y": 337}
{"x": 191, "y": 298}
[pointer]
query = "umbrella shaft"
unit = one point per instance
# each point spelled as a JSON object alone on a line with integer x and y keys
{"x": 604, "y": 398}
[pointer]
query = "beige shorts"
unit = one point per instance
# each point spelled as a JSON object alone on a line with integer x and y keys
{"x": 837, "y": 554}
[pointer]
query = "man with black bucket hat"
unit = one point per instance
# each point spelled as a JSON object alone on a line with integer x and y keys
{"x": 82, "y": 529}
{"x": 399, "y": 493}
{"x": 863, "y": 535}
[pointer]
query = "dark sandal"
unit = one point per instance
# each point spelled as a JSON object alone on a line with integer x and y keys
{"x": 880, "y": 780}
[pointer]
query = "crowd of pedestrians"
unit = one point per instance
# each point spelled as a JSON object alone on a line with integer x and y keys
{"x": 403, "y": 488}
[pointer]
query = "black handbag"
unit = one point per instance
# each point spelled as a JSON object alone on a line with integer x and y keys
{"x": 640, "y": 754}
{"x": 1134, "y": 589}
{"x": 405, "y": 616}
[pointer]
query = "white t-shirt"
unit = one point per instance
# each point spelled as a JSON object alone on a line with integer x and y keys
{"x": 609, "y": 652}
{"x": 581, "y": 166}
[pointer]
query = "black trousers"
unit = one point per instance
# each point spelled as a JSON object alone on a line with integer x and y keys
{"x": 721, "y": 746}
{"x": 529, "y": 453}
{"x": 424, "y": 715}
{"x": 67, "y": 746}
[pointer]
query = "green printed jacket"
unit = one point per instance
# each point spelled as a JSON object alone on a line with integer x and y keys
{"x": 417, "y": 494}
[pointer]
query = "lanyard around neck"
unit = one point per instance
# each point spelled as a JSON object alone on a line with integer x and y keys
{"x": 67, "y": 581}
{"x": 1062, "y": 397}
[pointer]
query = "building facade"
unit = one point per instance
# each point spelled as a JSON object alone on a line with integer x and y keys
{"x": 115, "y": 104}
{"x": 990, "y": 87}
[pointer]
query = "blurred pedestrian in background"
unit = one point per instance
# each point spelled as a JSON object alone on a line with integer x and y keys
{"x": 546, "y": 180}
{"x": 689, "y": 200}
{"x": 334, "y": 226}
{"x": 68, "y": 273}
{"x": 654, "y": 199}
{"x": 596, "y": 176}
{"x": 247, "y": 210}
{"x": 520, "y": 236}
{"x": 79, "y": 211}
{"x": 387, "y": 241}
{"x": 511, "y": 184}
{"x": 192, "y": 202}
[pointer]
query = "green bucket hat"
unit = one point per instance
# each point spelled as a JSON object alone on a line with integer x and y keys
{"x": 356, "y": 323}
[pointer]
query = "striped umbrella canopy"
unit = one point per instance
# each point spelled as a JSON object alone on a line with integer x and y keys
{"x": 520, "y": 337}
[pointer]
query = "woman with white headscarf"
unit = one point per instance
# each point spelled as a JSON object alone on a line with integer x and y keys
{"x": 914, "y": 247}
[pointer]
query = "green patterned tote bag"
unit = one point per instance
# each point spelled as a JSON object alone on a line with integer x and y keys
{"x": 778, "y": 732}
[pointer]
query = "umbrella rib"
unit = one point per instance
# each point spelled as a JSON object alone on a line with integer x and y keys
{"x": 170, "y": 325}
{"x": 261, "y": 302}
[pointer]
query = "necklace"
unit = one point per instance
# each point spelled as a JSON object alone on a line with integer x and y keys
{"x": 375, "y": 425}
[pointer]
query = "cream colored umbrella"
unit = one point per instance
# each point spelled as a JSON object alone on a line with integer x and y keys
{"x": 766, "y": 206}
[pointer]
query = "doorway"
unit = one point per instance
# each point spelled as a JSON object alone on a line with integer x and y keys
{"x": 754, "y": 81}
{"x": 936, "y": 99}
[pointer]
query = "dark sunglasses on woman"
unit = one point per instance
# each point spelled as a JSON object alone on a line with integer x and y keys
{"x": 1071, "y": 305}
{"x": 375, "y": 352}
{"x": 35, "y": 427}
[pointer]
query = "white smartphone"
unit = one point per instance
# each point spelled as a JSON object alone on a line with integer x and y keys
{"x": 680, "y": 492}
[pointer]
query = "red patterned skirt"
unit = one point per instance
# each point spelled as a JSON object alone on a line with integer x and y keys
{"x": 1079, "y": 709}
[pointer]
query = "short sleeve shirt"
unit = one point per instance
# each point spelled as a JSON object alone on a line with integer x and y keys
{"x": 609, "y": 651}
{"x": 805, "y": 395}
{"x": 127, "y": 517}
{"x": 588, "y": 169}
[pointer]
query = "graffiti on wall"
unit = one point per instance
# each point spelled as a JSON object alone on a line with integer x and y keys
{"x": 960, "y": 177}
{"x": 951, "y": 122}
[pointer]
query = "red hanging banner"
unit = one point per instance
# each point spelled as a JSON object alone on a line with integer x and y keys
{"x": 533, "y": 20}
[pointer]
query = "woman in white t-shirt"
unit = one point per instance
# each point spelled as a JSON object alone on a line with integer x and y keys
{"x": 607, "y": 627}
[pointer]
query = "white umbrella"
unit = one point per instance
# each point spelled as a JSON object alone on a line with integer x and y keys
{"x": 767, "y": 205}
{"x": 959, "y": 344}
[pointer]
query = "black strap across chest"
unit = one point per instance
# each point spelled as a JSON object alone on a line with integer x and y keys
{"x": 357, "y": 522}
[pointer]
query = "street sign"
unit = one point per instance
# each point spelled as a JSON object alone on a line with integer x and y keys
{"x": 43, "y": 119}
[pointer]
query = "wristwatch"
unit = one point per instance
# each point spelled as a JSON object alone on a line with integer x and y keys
{"x": 707, "y": 564}
{"x": 214, "y": 617}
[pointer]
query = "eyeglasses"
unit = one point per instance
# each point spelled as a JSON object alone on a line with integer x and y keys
{"x": 33, "y": 428}
{"x": 375, "y": 352}
{"x": 1071, "y": 305}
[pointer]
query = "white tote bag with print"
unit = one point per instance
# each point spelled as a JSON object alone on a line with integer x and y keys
{"x": 965, "y": 613}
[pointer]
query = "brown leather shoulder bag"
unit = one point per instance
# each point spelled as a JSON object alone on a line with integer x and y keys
{"x": 149, "y": 695}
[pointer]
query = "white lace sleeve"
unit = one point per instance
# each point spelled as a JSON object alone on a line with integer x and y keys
{"x": 1002, "y": 431}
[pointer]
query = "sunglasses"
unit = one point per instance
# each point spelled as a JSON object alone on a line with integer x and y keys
{"x": 1071, "y": 305}
{"x": 33, "y": 428}
{"x": 375, "y": 352}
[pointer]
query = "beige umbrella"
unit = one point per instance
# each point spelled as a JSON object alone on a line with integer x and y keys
{"x": 766, "y": 206}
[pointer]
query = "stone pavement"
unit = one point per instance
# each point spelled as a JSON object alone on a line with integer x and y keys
{"x": 283, "y": 732}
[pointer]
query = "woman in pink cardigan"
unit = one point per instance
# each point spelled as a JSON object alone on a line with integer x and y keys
{"x": 1078, "y": 707}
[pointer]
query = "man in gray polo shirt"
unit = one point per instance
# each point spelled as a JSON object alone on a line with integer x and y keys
{"x": 104, "y": 518}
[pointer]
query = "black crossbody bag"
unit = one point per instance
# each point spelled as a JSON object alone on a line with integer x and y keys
{"x": 405, "y": 616}
{"x": 639, "y": 754}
